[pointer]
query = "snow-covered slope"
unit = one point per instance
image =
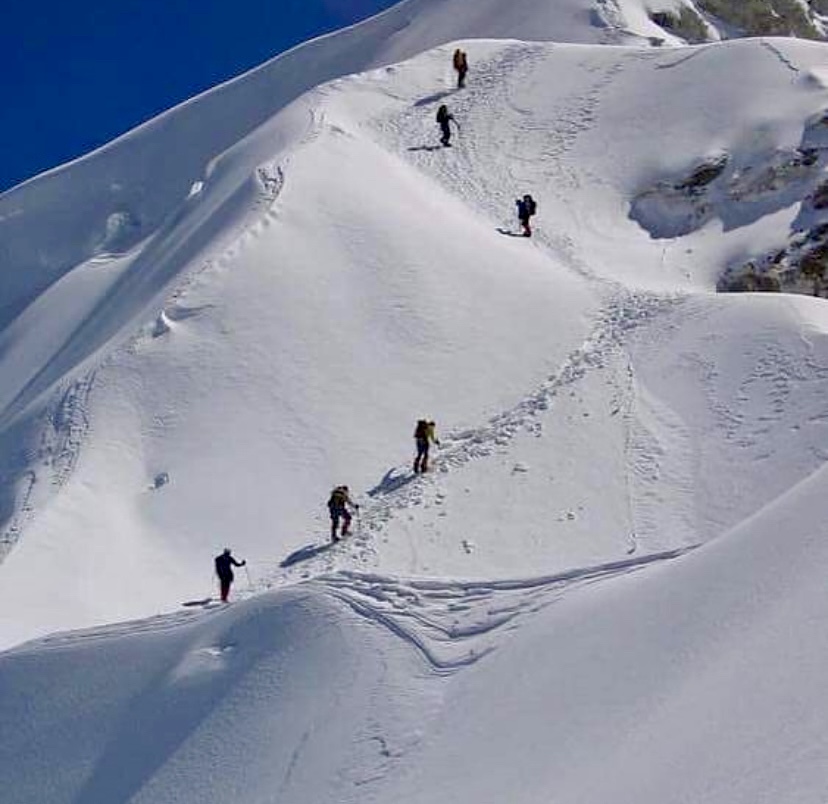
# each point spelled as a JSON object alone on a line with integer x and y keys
{"x": 127, "y": 191}
{"x": 93, "y": 250}
{"x": 692, "y": 679}
{"x": 343, "y": 278}
{"x": 609, "y": 586}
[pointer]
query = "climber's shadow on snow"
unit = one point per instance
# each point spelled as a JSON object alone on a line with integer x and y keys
{"x": 509, "y": 233}
{"x": 201, "y": 601}
{"x": 437, "y": 96}
{"x": 303, "y": 554}
{"x": 392, "y": 480}
{"x": 425, "y": 148}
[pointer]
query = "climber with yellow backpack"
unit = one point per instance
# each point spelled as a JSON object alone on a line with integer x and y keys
{"x": 425, "y": 434}
{"x": 339, "y": 507}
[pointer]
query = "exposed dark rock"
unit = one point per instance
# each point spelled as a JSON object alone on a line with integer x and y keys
{"x": 767, "y": 283}
{"x": 808, "y": 156}
{"x": 764, "y": 17}
{"x": 686, "y": 24}
{"x": 703, "y": 174}
{"x": 819, "y": 232}
{"x": 819, "y": 198}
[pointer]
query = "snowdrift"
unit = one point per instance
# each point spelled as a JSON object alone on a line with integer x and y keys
{"x": 162, "y": 706}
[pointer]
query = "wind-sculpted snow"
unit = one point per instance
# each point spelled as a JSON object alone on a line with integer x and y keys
{"x": 161, "y": 695}
{"x": 609, "y": 586}
{"x": 161, "y": 698}
{"x": 634, "y": 679}
{"x": 454, "y": 624}
{"x": 124, "y": 193}
{"x": 695, "y": 681}
{"x": 334, "y": 278}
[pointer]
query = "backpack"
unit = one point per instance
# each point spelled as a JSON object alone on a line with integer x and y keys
{"x": 337, "y": 499}
{"x": 443, "y": 114}
{"x": 421, "y": 431}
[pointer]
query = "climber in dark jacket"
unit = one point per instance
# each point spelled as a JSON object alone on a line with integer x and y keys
{"x": 526, "y": 208}
{"x": 224, "y": 569}
{"x": 443, "y": 119}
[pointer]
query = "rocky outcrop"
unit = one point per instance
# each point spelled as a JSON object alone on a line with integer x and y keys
{"x": 694, "y": 23}
{"x": 684, "y": 23}
{"x": 742, "y": 194}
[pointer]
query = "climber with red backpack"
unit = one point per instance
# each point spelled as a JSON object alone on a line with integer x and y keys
{"x": 460, "y": 63}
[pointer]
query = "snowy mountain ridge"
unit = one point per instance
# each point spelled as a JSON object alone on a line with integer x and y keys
{"x": 609, "y": 586}
{"x": 126, "y": 238}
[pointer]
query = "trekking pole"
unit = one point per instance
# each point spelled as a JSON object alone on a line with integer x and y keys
{"x": 249, "y": 580}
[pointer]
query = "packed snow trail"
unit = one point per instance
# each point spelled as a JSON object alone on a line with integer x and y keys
{"x": 489, "y": 164}
{"x": 485, "y": 168}
{"x": 474, "y": 175}
{"x": 483, "y": 174}
{"x": 399, "y": 490}
{"x": 486, "y": 171}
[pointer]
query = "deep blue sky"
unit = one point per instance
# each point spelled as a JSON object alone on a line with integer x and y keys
{"x": 75, "y": 75}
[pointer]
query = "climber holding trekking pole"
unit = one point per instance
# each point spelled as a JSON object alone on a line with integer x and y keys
{"x": 224, "y": 564}
{"x": 444, "y": 117}
{"x": 340, "y": 505}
